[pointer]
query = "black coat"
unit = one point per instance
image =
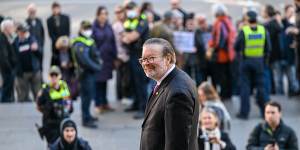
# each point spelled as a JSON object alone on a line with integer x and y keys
{"x": 224, "y": 137}
{"x": 274, "y": 30}
{"x": 55, "y": 32}
{"x": 37, "y": 30}
{"x": 80, "y": 145}
{"x": 171, "y": 116}
{"x": 284, "y": 136}
{"x": 8, "y": 54}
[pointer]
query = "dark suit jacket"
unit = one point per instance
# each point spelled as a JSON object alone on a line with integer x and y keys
{"x": 56, "y": 31}
{"x": 171, "y": 118}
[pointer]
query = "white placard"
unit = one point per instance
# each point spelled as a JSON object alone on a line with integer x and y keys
{"x": 184, "y": 41}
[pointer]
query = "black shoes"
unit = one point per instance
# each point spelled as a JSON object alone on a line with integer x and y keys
{"x": 242, "y": 117}
{"x": 131, "y": 109}
{"x": 90, "y": 124}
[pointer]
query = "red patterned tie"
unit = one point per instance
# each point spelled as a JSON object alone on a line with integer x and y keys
{"x": 155, "y": 90}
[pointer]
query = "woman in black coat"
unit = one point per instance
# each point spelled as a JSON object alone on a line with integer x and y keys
{"x": 210, "y": 136}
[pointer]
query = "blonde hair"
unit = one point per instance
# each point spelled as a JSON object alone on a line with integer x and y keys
{"x": 62, "y": 42}
{"x": 209, "y": 91}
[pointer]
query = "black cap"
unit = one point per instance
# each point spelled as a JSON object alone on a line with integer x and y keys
{"x": 67, "y": 123}
{"x": 252, "y": 15}
{"x": 131, "y": 5}
{"x": 23, "y": 27}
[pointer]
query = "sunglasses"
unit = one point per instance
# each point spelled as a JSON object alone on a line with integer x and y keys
{"x": 53, "y": 74}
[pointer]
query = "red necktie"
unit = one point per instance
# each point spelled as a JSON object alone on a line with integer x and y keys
{"x": 155, "y": 90}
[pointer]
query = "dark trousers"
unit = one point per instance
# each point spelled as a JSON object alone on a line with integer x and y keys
{"x": 139, "y": 83}
{"x": 124, "y": 81}
{"x": 55, "y": 55}
{"x": 252, "y": 73}
{"x": 221, "y": 74}
{"x": 87, "y": 93}
{"x": 8, "y": 78}
{"x": 100, "y": 97}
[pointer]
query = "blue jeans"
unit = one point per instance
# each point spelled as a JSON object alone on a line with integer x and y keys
{"x": 87, "y": 93}
{"x": 279, "y": 69}
{"x": 267, "y": 82}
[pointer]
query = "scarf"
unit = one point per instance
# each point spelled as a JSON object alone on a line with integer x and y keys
{"x": 211, "y": 146}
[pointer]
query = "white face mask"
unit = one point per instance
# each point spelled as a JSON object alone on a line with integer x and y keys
{"x": 87, "y": 33}
{"x": 131, "y": 14}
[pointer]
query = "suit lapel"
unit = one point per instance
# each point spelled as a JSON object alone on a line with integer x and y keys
{"x": 155, "y": 96}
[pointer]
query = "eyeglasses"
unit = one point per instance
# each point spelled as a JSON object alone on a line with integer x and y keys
{"x": 148, "y": 60}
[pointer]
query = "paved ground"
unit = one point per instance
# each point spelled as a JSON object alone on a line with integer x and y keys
{"x": 117, "y": 130}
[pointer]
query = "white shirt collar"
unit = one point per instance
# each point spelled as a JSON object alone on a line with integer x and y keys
{"x": 166, "y": 74}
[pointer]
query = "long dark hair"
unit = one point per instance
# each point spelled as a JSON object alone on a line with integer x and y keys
{"x": 100, "y": 9}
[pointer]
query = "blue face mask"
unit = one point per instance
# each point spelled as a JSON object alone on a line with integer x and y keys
{"x": 131, "y": 14}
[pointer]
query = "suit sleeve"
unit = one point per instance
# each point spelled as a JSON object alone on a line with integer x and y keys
{"x": 50, "y": 29}
{"x": 178, "y": 121}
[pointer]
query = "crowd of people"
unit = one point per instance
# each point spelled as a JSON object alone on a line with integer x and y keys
{"x": 227, "y": 61}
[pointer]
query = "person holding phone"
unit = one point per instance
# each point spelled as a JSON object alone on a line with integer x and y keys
{"x": 273, "y": 133}
{"x": 210, "y": 136}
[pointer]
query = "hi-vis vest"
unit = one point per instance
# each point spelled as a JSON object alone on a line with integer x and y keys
{"x": 254, "y": 41}
{"x": 85, "y": 41}
{"x": 131, "y": 24}
{"x": 61, "y": 93}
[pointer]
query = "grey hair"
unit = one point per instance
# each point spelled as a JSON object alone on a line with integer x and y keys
{"x": 219, "y": 10}
{"x": 5, "y": 23}
{"x": 167, "y": 48}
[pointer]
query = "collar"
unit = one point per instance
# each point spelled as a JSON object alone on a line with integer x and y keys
{"x": 166, "y": 74}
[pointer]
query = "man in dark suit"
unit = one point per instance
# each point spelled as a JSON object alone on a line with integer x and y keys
{"x": 172, "y": 111}
{"x": 58, "y": 25}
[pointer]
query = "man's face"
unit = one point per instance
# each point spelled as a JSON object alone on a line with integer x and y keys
{"x": 69, "y": 134}
{"x": 289, "y": 12}
{"x": 190, "y": 25}
{"x": 56, "y": 11}
{"x": 153, "y": 62}
{"x": 272, "y": 115}
{"x": 175, "y": 4}
{"x": 21, "y": 34}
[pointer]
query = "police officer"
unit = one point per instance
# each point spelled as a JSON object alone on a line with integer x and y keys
{"x": 136, "y": 33}
{"x": 87, "y": 64}
{"x": 54, "y": 103}
{"x": 253, "y": 44}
